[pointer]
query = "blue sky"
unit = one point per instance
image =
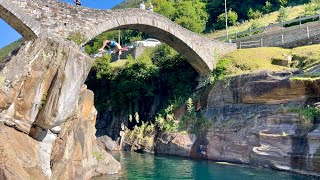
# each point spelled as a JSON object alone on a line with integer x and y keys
{"x": 8, "y": 34}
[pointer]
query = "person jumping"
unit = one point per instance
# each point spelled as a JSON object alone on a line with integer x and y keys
{"x": 118, "y": 49}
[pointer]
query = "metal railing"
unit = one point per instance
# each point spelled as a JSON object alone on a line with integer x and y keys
{"x": 283, "y": 38}
{"x": 237, "y": 35}
{"x": 250, "y": 44}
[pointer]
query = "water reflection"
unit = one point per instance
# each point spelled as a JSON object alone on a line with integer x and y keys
{"x": 144, "y": 167}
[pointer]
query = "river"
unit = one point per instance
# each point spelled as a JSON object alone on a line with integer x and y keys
{"x": 137, "y": 166}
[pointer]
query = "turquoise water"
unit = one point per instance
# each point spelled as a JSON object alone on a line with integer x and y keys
{"x": 146, "y": 166}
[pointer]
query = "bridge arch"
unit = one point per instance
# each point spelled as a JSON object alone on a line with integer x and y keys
{"x": 19, "y": 20}
{"x": 199, "y": 51}
{"x": 190, "y": 46}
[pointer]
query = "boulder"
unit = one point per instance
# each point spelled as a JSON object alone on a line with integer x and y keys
{"x": 106, "y": 143}
{"x": 175, "y": 144}
{"x": 19, "y": 156}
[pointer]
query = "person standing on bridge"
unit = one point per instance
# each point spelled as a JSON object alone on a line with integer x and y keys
{"x": 78, "y": 3}
{"x": 118, "y": 49}
{"x": 150, "y": 7}
{"x": 142, "y": 6}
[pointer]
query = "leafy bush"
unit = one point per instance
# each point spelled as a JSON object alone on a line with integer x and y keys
{"x": 194, "y": 122}
{"x": 167, "y": 122}
{"x": 77, "y": 37}
{"x": 254, "y": 14}
{"x": 268, "y": 7}
{"x": 221, "y": 20}
{"x": 133, "y": 87}
{"x": 102, "y": 66}
{"x": 308, "y": 115}
{"x": 283, "y": 15}
{"x": 141, "y": 135}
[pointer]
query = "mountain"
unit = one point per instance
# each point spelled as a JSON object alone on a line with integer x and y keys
{"x": 128, "y": 4}
{"x": 9, "y": 48}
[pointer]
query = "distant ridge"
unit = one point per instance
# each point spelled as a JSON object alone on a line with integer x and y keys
{"x": 9, "y": 48}
{"x": 128, "y": 4}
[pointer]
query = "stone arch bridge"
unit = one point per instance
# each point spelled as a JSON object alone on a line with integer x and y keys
{"x": 42, "y": 90}
{"x": 41, "y": 18}
{"x": 41, "y": 85}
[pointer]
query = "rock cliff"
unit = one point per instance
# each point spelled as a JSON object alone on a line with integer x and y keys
{"x": 47, "y": 115}
{"x": 253, "y": 124}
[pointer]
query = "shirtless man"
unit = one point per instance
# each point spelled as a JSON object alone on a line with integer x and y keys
{"x": 118, "y": 49}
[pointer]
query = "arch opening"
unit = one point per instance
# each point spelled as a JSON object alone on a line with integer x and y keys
{"x": 139, "y": 88}
{"x": 189, "y": 52}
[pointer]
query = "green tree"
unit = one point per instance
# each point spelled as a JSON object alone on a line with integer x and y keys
{"x": 268, "y": 7}
{"x": 283, "y": 2}
{"x": 283, "y": 14}
{"x": 191, "y": 14}
{"x": 232, "y": 19}
{"x": 254, "y": 14}
{"x": 164, "y": 7}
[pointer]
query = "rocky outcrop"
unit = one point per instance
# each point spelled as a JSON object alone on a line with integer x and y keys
{"x": 264, "y": 87}
{"x": 253, "y": 124}
{"x": 106, "y": 143}
{"x": 175, "y": 144}
{"x": 19, "y": 155}
{"x": 42, "y": 94}
{"x": 76, "y": 149}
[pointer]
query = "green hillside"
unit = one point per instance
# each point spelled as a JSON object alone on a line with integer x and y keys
{"x": 204, "y": 16}
{"x": 7, "y": 49}
{"x": 128, "y": 4}
{"x": 271, "y": 18}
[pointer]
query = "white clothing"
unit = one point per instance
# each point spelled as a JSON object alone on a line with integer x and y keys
{"x": 151, "y": 8}
{"x": 142, "y": 6}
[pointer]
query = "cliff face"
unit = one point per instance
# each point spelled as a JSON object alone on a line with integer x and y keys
{"x": 47, "y": 115}
{"x": 253, "y": 124}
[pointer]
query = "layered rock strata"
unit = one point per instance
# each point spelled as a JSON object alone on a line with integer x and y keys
{"x": 253, "y": 124}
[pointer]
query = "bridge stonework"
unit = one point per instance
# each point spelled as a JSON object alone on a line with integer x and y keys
{"x": 37, "y": 18}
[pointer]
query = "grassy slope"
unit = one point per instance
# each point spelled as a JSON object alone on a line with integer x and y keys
{"x": 293, "y": 12}
{"x": 243, "y": 61}
{"x": 6, "y": 50}
{"x": 308, "y": 57}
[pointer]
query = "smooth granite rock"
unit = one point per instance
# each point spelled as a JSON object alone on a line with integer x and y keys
{"x": 47, "y": 115}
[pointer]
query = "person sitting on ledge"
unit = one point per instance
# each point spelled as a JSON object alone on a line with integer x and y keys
{"x": 118, "y": 49}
